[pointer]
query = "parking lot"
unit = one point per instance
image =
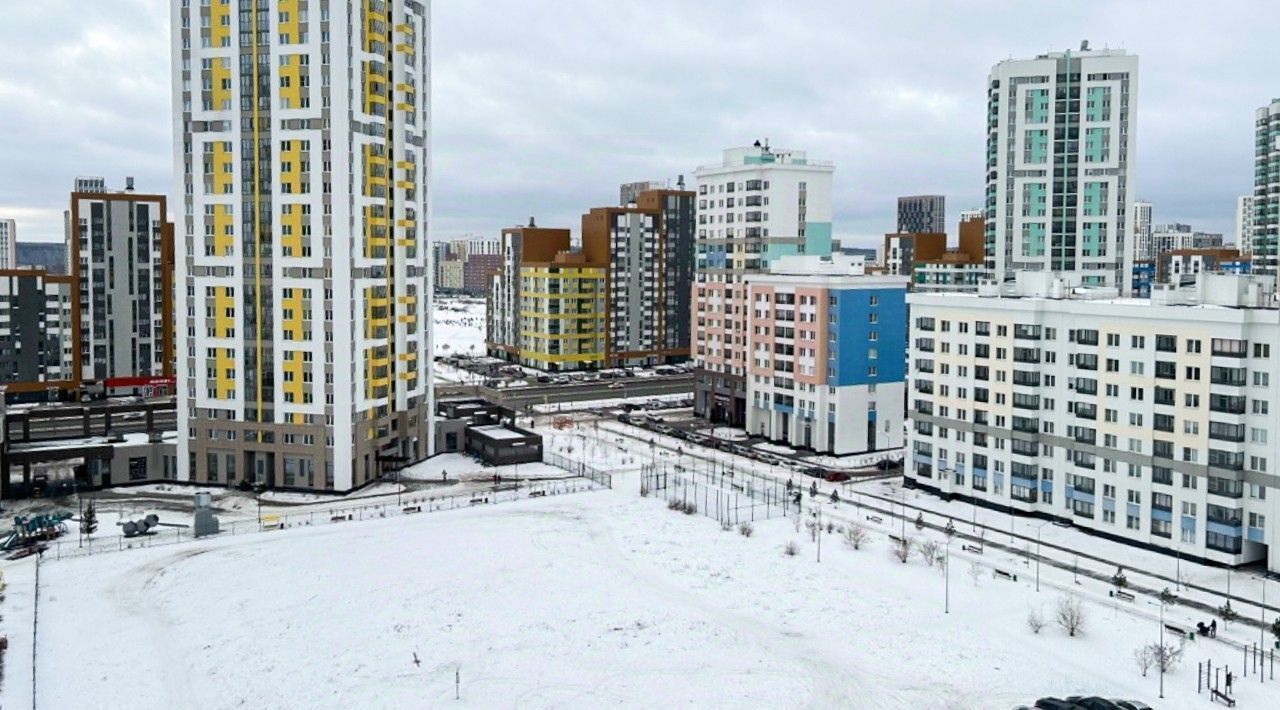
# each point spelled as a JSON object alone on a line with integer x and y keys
{"x": 683, "y": 425}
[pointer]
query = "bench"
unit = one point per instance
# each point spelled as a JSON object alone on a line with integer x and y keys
{"x": 971, "y": 548}
{"x": 412, "y": 509}
{"x": 339, "y": 518}
{"x": 537, "y": 494}
{"x": 1001, "y": 574}
{"x": 1176, "y": 630}
{"x": 1121, "y": 594}
{"x": 479, "y": 501}
{"x": 737, "y": 487}
{"x": 875, "y": 518}
{"x": 1215, "y": 695}
{"x": 896, "y": 540}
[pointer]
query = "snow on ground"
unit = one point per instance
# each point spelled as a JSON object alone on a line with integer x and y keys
{"x": 595, "y": 600}
{"x": 725, "y": 433}
{"x": 458, "y": 325}
{"x": 466, "y": 468}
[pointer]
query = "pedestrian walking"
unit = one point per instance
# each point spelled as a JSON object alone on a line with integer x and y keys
{"x": 1229, "y": 679}
{"x": 1213, "y": 628}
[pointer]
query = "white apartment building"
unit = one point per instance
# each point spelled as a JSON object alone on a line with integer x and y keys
{"x": 120, "y": 251}
{"x": 1142, "y": 232}
{"x": 1244, "y": 224}
{"x": 1169, "y": 237}
{"x": 827, "y": 352}
{"x": 1060, "y": 177}
{"x": 304, "y": 291}
{"x": 8, "y": 244}
{"x": 759, "y": 203}
{"x": 1147, "y": 421}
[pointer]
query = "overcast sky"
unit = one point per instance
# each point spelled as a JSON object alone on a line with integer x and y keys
{"x": 542, "y": 108}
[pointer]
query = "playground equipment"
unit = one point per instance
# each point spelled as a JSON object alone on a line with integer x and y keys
{"x": 28, "y": 529}
{"x": 134, "y": 528}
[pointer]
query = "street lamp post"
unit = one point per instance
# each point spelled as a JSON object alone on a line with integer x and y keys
{"x": 946, "y": 609}
{"x": 1160, "y": 659}
{"x": 1038, "y": 529}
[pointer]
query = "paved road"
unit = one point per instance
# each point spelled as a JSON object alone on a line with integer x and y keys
{"x": 521, "y": 397}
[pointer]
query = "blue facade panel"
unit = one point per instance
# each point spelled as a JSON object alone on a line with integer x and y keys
{"x": 1162, "y": 514}
{"x": 848, "y": 358}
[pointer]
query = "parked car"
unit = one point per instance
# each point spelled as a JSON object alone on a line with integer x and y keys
{"x": 1131, "y": 704}
{"x": 1054, "y": 704}
{"x": 813, "y": 471}
{"x": 615, "y": 386}
{"x": 1092, "y": 703}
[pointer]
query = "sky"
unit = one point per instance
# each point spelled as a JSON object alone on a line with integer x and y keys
{"x": 542, "y": 108}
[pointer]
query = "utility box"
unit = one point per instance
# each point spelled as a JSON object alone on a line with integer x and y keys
{"x": 206, "y": 523}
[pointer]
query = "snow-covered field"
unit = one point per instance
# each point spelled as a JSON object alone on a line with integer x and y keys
{"x": 458, "y": 325}
{"x": 600, "y": 599}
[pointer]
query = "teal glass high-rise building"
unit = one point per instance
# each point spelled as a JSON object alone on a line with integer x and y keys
{"x": 1060, "y": 180}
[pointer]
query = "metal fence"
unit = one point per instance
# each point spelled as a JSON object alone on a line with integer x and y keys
{"x": 407, "y": 505}
{"x": 578, "y": 468}
{"x": 723, "y": 495}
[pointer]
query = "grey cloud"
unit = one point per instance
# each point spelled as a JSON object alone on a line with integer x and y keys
{"x": 542, "y": 108}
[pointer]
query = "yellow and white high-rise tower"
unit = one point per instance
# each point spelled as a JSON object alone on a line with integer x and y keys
{"x": 301, "y": 143}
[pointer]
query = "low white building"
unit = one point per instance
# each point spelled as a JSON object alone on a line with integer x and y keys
{"x": 1147, "y": 421}
{"x": 825, "y": 345}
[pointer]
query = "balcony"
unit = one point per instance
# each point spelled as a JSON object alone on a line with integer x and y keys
{"x": 1031, "y": 355}
{"x": 1230, "y": 376}
{"x": 1086, "y": 386}
{"x": 923, "y": 407}
{"x": 1087, "y": 362}
{"x": 1026, "y": 379}
{"x": 1166, "y": 370}
{"x": 1026, "y": 425}
{"x": 1085, "y": 436}
{"x": 1226, "y": 487}
{"x": 924, "y": 345}
{"x": 1226, "y": 404}
{"x": 1086, "y": 411}
{"x": 1228, "y": 461}
{"x": 1087, "y": 337}
{"x": 1164, "y": 396}
{"x": 1026, "y": 332}
{"x": 1226, "y": 432}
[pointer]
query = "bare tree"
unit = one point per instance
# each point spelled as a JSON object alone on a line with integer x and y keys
{"x": 856, "y": 535}
{"x": 1035, "y": 621}
{"x": 745, "y": 529}
{"x": 1070, "y": 615}
{"x": 1166, "y": 656}
{"x": 902, "y": 548}
{"x": 1144, "y": 658}
{"x": 812, "y": 527}
{"x": 975, "y": 572}
{"x": 928, "y": 552}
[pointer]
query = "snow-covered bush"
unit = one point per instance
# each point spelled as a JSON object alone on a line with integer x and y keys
{"x": 745, "y": 529}
{"x": 855, "y": 535}
{"x": 902, "y": 548}
{"x": 1070, "y": 615}
{"x": 928, "y": 552}
{"x": 1035, "y": 621}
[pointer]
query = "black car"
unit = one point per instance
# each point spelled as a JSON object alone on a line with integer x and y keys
{"x": 1054, "y": 704}
{"x": 1093, "y": 703}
